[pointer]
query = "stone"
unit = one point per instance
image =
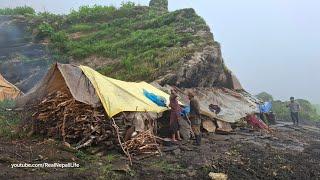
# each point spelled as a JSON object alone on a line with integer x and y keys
{"x": 176, "y": 151}
{"x": 218, "y": 176}
{"x": 191, "y": 173}
{"x": 121, "y": 166}
{"x": 183, "y": 176}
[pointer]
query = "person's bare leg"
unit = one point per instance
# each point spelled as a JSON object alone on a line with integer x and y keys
{"x": 178, "y": 136}
{"x": 173, "y": 137}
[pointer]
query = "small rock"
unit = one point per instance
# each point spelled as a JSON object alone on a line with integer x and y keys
{"x": 218, "y": 176}
{"x": 40, "y": 157}
{"x": 183, "y": 176}
{"x": 121, "y": 166}
{"x": 191, "y": 173}
{"x": 100, "y": 154}
{"x": 190, "y": 167}
{"x": 67, "y": 144}
{"x": 176, "y": 151}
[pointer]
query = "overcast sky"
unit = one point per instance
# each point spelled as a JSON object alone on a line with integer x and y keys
{"x": 271, "y": 45}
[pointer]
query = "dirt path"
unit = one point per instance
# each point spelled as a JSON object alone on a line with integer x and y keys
{"x": 287, "y": 153}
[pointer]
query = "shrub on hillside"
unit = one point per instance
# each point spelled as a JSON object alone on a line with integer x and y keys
{"x": 22, "y": 10}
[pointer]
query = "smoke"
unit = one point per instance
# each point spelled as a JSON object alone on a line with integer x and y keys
{"x": 10, "y": 31}
{"x": 22, "y": 62}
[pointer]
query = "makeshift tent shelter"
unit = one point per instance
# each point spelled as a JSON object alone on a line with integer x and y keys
{"x": 90, "y": 87}
{"x": 68, "y": 102}
{"x": 62, "y": 77}
{"x": 119, "y": 96}
{"x": 8, "y": 90}
{"x": 234, "y": 105}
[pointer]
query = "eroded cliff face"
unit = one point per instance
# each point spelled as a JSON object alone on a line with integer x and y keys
{"x": 204, "y": 69}
{"x": 23, "y": 62}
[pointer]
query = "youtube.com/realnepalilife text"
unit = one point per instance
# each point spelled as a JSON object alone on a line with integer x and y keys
{"x": 46, "y": 165}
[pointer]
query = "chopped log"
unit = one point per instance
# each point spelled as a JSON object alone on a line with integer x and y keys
{"x": 60, "y": 116}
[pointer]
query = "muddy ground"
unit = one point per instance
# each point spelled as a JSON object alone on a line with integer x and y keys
{"x": 286, "y": 153}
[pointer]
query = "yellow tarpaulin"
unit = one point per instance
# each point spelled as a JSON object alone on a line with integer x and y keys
{"x": 119, "y": 96}
{"x": 8, "y": 90}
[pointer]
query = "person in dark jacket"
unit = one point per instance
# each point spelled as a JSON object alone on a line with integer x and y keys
{"x": 195, "y": 117}
{"x": 174, "y": 116}
{"x": 294, "y": 111}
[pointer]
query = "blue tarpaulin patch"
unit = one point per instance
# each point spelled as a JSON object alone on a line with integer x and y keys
{"x": 160, "y": 101}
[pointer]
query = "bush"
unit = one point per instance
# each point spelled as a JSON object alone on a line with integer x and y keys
{"x": 9, "y": 120}
{"x": 308, "y": 112}
{"x": 127, "y": 5}
{"x": 45, "y": 30}
{"x": 265, "y": 97}
{"x": 128, "y": 63}
{"x": 81, "y": 28}
{"x": 59, "y": 42}
{"x": 22, "y": 10}
{"x": 91, "y": 14}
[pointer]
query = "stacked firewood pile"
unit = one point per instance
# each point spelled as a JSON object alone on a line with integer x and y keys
{"x": 143, "y": 143}
{"x": 61, "y": 116}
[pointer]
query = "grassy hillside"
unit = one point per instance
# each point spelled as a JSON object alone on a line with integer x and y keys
{"x": 24, "y": 10}
{"x": 317, "y": 106}
{"x": 132, "y": 42}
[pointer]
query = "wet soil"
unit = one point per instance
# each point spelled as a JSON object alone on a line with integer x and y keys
{"x": 286, "y": 153}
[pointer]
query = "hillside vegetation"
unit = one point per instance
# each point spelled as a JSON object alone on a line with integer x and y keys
{"x": 24, "y": 10}
{"x": 308, "y": 110}
{"x": 133, "y": 42}
{"x": 317, "y": 106}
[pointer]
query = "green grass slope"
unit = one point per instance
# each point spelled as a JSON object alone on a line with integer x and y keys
{"x": 139, "y": 42}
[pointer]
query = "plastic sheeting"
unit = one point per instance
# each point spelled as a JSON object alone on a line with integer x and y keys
{"x": 62, "y": 77}
{"x": 265, "y": 107}
{"x": 8, "y": 90}
{"x": 118, "y": 96}
{"x": 234, "y": 105}
{"x": 160, "y": 101}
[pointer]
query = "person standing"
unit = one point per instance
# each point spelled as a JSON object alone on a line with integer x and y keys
{"x": 195, "y": 117}
{"x": 294, "y": 111}
{"x": 271, "y": 117}
{"x": 174, "y": 116}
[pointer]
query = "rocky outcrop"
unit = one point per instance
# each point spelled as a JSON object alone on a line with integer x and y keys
{"x": 203, "y": 69}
